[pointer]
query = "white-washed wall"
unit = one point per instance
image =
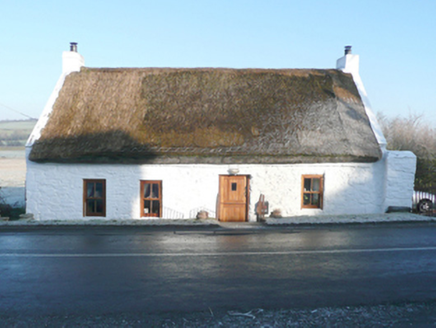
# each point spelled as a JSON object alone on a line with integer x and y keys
{"x": 400, "y": 168}
{"x": 55, "y": 191}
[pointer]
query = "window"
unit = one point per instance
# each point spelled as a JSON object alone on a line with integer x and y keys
{"x": 151, "y": 198}
{"x": 312, "y": 191}
{"x": 94, "y": 197}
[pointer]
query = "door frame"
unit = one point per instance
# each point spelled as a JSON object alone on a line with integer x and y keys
{"x": 247, "y": 195}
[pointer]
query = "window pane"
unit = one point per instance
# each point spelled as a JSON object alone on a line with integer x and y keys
{"x": 315, "y": 184}
{"x": 98, "y": 190}
{"x": 234, "y": 186}
{"x": 155, "y": 193}
{"x": 306, "y": 199}
{"x": 90, "y": 206}
{"x": 89, "y": 189}
{"x": 99, "y": 208}
{"x": 147, "y": 207}
{"x": 315, "y": 199}
{"x": 146, "y": 190}
{"x": 155, "y": 207}
{"x": 94, "y": 203}
{"x": 307, "y": 184}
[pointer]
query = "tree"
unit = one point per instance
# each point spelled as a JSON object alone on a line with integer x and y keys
{"x": 412, "y": 133}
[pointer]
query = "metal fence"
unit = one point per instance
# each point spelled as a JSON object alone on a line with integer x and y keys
{"x": 424, "y": 202}
{"x": 169, "y": 213}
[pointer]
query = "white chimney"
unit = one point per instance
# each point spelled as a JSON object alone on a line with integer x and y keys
{"x": 349, "y": 63}
{"x": 72, "y": 60}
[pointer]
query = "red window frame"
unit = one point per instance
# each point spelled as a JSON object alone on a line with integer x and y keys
{"x": 151, "y": 198}
{"x": 310, "y": 197}
{"x": 94, "y": 197}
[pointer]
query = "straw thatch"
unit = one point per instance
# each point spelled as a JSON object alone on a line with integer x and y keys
{"x": 207, "y": 115}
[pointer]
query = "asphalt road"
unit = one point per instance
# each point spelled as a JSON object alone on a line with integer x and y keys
{"x": 102, "y": 270}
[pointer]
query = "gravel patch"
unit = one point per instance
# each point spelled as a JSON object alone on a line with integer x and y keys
{"x": 403, "y": 315}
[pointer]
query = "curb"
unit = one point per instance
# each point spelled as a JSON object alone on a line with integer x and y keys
{"x": 213, "y": 223}
{"x": 351, "y": 219}
{"x": 108, "y": 223}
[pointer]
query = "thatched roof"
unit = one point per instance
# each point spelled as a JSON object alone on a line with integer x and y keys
{"x": 207, "y": 115}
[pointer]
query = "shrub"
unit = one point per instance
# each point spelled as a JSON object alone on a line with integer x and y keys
{"x": 414, "y": 134}
{"x": 10, "y": 211}
{"x": 13, "y": 212}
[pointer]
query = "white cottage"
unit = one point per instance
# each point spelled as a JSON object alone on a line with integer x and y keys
{"x": 141, "y": 143}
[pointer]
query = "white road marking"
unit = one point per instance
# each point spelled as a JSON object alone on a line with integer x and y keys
{"x": 296, "y": 252}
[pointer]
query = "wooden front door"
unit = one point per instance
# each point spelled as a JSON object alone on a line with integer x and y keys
{"x": 233, "y": 198}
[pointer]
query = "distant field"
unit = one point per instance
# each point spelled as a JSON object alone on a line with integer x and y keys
{"x": 17, "y": 125}
{"x": 12, "y": 177}
{"x": 13, "y": 136}
{"x": 15, "y": 133}
{"x": 10, "y": 148}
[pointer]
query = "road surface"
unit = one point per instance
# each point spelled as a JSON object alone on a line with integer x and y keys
{"x": 110, "y": 270}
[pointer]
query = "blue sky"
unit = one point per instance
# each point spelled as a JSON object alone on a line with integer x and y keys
{"x": 396, "y": 41}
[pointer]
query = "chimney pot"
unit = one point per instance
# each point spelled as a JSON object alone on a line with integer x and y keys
{"x": 72, "y": 61}
{"x": 347, "y": 50}
{"x": 73, "y": 46}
